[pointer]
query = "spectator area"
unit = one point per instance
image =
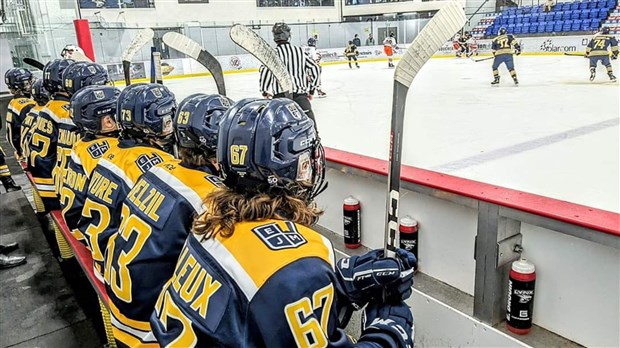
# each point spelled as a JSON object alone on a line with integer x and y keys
{"x": 564, "y": 17}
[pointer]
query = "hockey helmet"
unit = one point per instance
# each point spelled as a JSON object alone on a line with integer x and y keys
{"x": 281, "y": 32}
{"x": 197, "y": 120}
{"x": 19, "y": 80}
{"x": 39, "y": 94}
{"x": 271, "y": 144}
{"x": 391, "y": 34}
{"x": 68, "y": 50}
{"x": 90, "y": 104}
{"x": 82, "y": 74}
{"x": 52, "y": 74}
{"x": 146, "y": 110}
{"x": 605, "y": 30}
{"x": 502, "y": 31}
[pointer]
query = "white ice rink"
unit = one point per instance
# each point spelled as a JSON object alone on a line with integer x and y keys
{"x": 556, "y": 135}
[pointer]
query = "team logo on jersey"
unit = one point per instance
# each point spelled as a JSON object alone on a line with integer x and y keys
{"x": 147, "y": 161}
{"x": 97, "y": 150}
{"x": 157, "y": 93}
{"x": 215, "y": 180}
{"x": 275, "y": 238}
{"x": 99, "y": 95}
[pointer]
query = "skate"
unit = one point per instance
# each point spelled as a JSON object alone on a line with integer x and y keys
{"x": 495, "y": 82}
{"x": 350, "y": 67}
{"x": 592, "y": 74}
{"x": 357, "y": 65}
{"x": 612, "y": 78}
{"x": 515, "y": 80}
{"x": 321, "y": 94}
{"x": 9, "y": 184}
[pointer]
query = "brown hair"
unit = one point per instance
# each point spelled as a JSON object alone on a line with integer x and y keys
{"x": 195, "y": 157}
{"x": 226, "y": 208}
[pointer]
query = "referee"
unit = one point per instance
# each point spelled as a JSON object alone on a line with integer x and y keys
{"x": 304, "y": 71}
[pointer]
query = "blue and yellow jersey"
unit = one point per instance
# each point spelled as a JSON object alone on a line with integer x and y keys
{"x": 43, "y": 149}
{"x": 271, "y": 284}
{"x": 68, "y": 134}
{"x": 27, "y": 127}
{"x": 504, "y": 44}
{"x": 17, "y": 110}
{"x": 157, "y": 216}
{"x": 84, "y": 157}
{"x": 351, "y": 50}
{"x": 600, "y": 44}
{"x": 110, "y": 182}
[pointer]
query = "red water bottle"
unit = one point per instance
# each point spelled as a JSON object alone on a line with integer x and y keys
{"x": 408, "y": 229}
{"x": 352, "y": 223}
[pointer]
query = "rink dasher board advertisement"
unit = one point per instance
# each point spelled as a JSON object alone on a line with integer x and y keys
{"x": 246, "y": 62}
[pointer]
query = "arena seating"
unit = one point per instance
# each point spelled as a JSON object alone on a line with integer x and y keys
{"x": 564, "y": 17}
{"x": 613, "y": 21}
{"x": 479, "y": 30}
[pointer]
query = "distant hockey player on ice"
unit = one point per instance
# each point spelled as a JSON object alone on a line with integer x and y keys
{"x": 389, "y": 45}
{"x": 597, "y": 51}
{"x": 351, "y": 53}
{"x": 503, "y": 47}
{"x": 463, "y": 44}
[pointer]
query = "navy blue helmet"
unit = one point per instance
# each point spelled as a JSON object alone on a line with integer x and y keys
{"x": 146, "y": 110}
{"x": 90, "y": 104}
{"x": 39, "y": 94}
{"x": 19, "y": 80}
{"x": 269, "y": 144}
{"x": 52, "y": 74}
{"x": 197, "y": 120}
{"x": 502, "y": 31}
{"x": 82, "y": 74}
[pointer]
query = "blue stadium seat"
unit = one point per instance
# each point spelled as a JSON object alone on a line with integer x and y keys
{"x": 518, "y": 29}
{"x": 549, "y": 27}
{"x": 567, "y": 25}
{"x": 557, "y": 16}
{"x": 519, "y": 19}
{"x": 574, "y": 5}
{"x": 527, "y": 18}
{"x": 511, "y": 20}
{"x": 576, "y": 25}
{"x": 533, "y": 28}
{"x": 592, "y": 4}
{"x": 540, "y": 28}
{"x": 585, "y": 14}
{"x": 565, "y": 6}
{"x": 586, "y": 25}
{"x": 583, "y": 5}
{"x": 526, "y": 28}
{"x": 575, "y": 14}
{"x": 602, "y": 13}
{"x": 558, "y": 26}
{"x": 535, "y": 18}
{"x": 611, "y": 3}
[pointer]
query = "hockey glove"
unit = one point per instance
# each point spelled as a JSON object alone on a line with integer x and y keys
{"x": 367, "y": 276}
{"x": 388, "y": 325}
{"x": 518, "y": 52}
{"x": 614, "y": 56}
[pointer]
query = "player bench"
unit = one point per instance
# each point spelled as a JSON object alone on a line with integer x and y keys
{"x": 71, "y": 247}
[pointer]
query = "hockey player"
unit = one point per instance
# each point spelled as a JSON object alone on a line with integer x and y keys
{"x": 597, "y": 51}
{"x": 144, "y": 113}
{"x": 254, "y": 274}
{"x": 19, "y": 81}
{"x": 44, "y": 142}
{"x": 93, "y": 111}
{"x": 463, "y": 42}
{"x": 503, "y": 47}
{"x": 164, "y": 201}
{"x": 41, "y": 97}
{"x": 351, "y": 52}
{"x": 68, "y": 51}
{"x": 389, "y": 45}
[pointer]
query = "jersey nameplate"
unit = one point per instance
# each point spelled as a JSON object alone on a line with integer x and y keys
{"x": 275, "y": 238}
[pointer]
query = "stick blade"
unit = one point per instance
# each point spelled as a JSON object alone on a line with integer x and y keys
{"x": 144, "y": 36}
{"x": 182, "y": 44}
{"x": 448, "y": 20}
{"x": 247, "y": 39}
{"x": 33, "y": 62}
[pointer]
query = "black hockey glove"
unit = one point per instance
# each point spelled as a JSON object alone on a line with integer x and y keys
{"x": 388, "y": 324}
{"x": 366, "y": 277}
{"x": 614, "y": 56}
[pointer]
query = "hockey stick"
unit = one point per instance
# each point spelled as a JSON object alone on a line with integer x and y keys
{"x": 191, "y": 48}
{"x": 447, "y": 21}
{"x": 574, "y": 54}
{"x": 247, "y": 39}
{"x": 33, "y": 62}
{"x": 482, "y": 59}
{"x": 144, "y": 36}
{"x": 158, "y": 77}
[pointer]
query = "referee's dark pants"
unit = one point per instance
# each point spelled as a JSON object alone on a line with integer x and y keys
{"x": 302, "y": 100}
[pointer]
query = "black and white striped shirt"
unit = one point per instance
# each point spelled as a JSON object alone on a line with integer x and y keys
{"x": 298, "y": 64}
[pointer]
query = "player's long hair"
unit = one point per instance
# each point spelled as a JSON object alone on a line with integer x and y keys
{"x": 226, "y": 208}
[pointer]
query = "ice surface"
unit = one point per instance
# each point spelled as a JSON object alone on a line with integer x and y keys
{"x": 555, "y": 135}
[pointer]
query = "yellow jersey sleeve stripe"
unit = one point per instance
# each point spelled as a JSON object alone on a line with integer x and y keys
{"x": 131, "y": 341}
{"x": 123, "y": 321}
